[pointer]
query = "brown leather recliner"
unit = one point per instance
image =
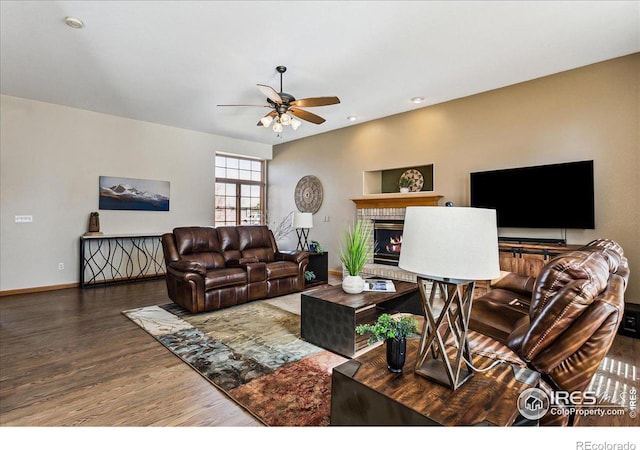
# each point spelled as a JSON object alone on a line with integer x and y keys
{"x": 211, "y": 268}
{"x": 562, "y": 323}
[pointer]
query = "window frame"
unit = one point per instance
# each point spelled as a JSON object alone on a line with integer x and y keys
{"x": 238, "y": 187}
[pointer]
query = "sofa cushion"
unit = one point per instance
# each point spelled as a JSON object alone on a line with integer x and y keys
{"x": 255, "y": 241}
{"x": 495, "y": 313}
{"x": 199, "y": 244}
{"x": 281, "y": 269}
{"x": 229, "y": 243}
{"x": 225, "y": 277}
{"x": 564, "y": 290}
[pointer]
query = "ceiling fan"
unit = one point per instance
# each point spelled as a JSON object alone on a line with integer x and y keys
{"x": 284, "y": 106}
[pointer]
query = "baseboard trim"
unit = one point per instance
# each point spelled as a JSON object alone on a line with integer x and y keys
{"x": 335, "y": 272}
{"x": 32, "y": 290}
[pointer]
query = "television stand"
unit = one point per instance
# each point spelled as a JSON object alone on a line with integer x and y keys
{"x": 542, "y": 241}
{"x": 528, "y": 257}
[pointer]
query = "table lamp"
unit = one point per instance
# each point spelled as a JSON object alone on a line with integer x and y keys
{"x": 448, "y": 248}
{"x": 302, "y": 221}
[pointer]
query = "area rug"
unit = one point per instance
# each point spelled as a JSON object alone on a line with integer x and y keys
{"x": 254, "y": 354}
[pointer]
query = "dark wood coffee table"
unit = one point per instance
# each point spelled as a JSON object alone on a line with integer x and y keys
{"x": 329, "y": 316}
{"x": 364, "y": 392}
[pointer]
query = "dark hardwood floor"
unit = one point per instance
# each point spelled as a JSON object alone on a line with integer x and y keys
{"x": 70, "y": 358}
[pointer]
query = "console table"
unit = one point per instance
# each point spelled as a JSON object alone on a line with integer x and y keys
{"x": 120, "y": 258}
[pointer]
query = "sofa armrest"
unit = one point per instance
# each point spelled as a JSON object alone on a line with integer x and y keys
{"x": 515, "y": 282}
{"x": 188, "y": 267}
{"x": 297, "y": 256}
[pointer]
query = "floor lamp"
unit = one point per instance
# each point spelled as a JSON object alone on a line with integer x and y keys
{"x": 302, "y": 221}
{"x": 448, "y": 249}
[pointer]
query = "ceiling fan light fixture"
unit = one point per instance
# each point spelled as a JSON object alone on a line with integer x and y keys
{"x": 266, "y": 121}
{"x": 295, "y": 123}
{"x": 285, "y": 119}
{"x": 277, "y": 126}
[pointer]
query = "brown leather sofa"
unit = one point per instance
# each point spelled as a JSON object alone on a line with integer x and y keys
{"x": 210, "y": 268}
{"x": 562, "y": 323}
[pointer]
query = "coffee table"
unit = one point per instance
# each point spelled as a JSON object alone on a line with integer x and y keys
{"x": 329, "y": 316}
{"x": 364, "y": 392}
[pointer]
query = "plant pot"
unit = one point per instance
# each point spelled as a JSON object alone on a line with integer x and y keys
{"x": 353, "y": 284}
{"x": 396, "y": 353}
{"x": 94, "y": 224}
{"x": 404, "y": 190}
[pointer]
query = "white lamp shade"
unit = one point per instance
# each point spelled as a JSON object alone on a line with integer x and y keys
{"x": 449, "y": 242}
{"x": 302, "y": 220}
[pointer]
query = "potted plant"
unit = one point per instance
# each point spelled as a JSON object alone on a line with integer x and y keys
{"x": 394, "y": 331}
{"x": 94, "y": 222}
{"x": 315, "y": 247}
{"x": 354, "y": 254}
{"x": 309, "y": 276}
{"x": 405, "y": 184}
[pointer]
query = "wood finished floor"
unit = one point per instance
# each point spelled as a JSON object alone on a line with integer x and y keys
{"x": 70, "y": 358}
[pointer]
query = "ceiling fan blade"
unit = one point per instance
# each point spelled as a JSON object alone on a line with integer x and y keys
{"x": 271, "y": 114}
{"x": 315, "y": 101}
{"x": 257, "y": 106}
{"x": 306, "y": 115}
{"x": 270, "y": 93}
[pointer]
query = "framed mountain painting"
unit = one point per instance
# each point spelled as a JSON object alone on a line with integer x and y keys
{"x": 133, "y": 194}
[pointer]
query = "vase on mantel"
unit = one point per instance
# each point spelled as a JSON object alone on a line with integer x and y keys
{"x": 353, "y": 284}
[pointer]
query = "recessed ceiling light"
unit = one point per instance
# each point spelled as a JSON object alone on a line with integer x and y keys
{"x": 417, "y": 99}
{"x": 74, "y": 22}
{"x": 352, "y": 118}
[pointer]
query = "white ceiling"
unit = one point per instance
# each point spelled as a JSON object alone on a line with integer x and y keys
{"x": 173, "y": 62}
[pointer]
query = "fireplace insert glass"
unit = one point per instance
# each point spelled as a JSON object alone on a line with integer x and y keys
{"x": 388, "y": 236}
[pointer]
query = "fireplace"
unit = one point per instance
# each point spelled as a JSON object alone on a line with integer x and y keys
{"x": 388, "y": 236}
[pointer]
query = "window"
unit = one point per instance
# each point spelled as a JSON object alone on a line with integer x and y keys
{"x": 239, "y": 194}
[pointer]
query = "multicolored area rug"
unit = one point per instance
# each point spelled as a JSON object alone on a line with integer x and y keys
{"x": 253, "y": 353}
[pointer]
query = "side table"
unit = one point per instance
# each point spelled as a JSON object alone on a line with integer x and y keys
{"x": 319, "y": 265}
{"x": 364, "y": 392}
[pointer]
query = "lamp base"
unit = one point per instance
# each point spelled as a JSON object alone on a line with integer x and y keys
{"x": 444, "y": 346}
{"x": 303, "y": 234}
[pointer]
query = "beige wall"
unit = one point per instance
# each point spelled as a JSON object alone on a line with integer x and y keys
{"x": 583, "y": 114}
{"x": 51, "y": 157}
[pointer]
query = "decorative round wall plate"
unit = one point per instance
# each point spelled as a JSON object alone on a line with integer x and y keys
{"x": 417, "y": 180}
{"x": 308, "y": 194}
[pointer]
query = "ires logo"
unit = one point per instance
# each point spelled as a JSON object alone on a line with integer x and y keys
{"x": 577, "y": 398}
{"x": 534, "y": 403}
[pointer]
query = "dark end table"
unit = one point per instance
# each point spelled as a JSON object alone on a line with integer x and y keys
{"x": 364, "y": 392}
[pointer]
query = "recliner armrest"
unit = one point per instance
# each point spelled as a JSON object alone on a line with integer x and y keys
{"x": 296, "y": 257}
{"x": 515, "y": 282}
{"x": 188, "y": 266}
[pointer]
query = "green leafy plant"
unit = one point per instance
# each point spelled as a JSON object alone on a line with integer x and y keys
{"x": 356, "y": 251}
{"x": 309, "y": 275}
{"x": 318, "y": 247}
{"x": 404, "y": 182}
{"x": 388, "y": 327}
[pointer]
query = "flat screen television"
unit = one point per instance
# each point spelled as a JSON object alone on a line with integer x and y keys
{"x": 549, "y": 196}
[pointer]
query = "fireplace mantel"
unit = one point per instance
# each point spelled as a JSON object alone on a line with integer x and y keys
{"x": 396, "y": 200}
